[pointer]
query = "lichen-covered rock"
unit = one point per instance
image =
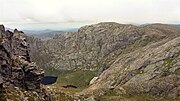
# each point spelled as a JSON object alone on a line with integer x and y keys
{"x": 16, "y": 67}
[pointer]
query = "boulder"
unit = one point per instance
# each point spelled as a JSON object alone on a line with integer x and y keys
{"x": 93, "y": 80}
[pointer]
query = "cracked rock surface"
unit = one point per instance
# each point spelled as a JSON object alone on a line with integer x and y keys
{"x": 16, "y": 68}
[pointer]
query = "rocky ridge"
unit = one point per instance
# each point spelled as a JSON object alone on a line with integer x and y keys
{"x": 152, "y": 70}
{"x": 130, "y": 59}
{"x": 96, "y": 47}
{"x": 16, "y": 68}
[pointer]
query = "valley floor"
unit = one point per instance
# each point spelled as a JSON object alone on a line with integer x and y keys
{"x": 60, "y": 93}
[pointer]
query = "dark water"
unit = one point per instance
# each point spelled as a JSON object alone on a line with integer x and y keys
{"x": 47, "y": 80}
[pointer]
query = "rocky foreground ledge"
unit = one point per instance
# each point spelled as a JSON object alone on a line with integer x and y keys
{"x": 16, "y": 68}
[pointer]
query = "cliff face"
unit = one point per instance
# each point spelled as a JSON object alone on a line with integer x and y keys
{"x": 131, "y": 59}
{"x": 16, "y": 68}
{"x": 152, "y": 70}
{"x": 97, "y": 46}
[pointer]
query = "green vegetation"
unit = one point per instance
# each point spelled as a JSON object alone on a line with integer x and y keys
{"x": 168, "y": 62}
{"x": 135, "y": 97}
{"x": 141, "y": 97}
{"x": 79, "y": 78}
{"x": 177, "y": 72}
{"x": 2, "y": 97}
{"x": 18, "y": 94}
{"x": 113, "y": 96}
{"x": 165, "y": 73}
{"x": 110, "y": 93}
{"x": 110, "y": 96}
{"x": 60, "y": 96}
{"x": 146, "y": 97}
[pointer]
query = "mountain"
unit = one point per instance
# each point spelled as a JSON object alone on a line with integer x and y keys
{"x": 178, "y": 25}
{"x": 129, "y": 60}
{"x": 43, "y": 34}
{"x": 47, "y": 34}
{"x": 150, "y": 71}
{"x": 37, "y": 31}
{"x": 97, "y": 46}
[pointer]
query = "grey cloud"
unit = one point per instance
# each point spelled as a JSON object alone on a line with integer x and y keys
{"x": 124, "y": 11}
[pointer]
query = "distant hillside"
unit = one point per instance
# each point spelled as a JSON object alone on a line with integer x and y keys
{"x": 178, "y": 25}
{"x": 47, "y": 34}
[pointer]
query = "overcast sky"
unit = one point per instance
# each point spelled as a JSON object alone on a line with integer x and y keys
{"x": 19, "y": 12}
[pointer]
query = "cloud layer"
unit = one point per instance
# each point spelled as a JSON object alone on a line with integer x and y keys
{"x": 124, "y": 11}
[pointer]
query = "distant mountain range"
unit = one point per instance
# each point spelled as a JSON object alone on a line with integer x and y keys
{"x": 44, "y": 35}
{"x": 178, "y": 25}
{"x": 48, "y": 33}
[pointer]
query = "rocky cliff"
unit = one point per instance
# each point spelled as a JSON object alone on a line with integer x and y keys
{"x": 96, "y": 46}
{"x": 152, "y": 70}
{"x": 16, "y": 68}
{"x": 130, "y": 59}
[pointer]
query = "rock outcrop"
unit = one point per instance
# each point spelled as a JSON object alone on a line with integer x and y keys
{"x": 16, "y": 67}
{"x": 129, "y": 59}
{"x": 153, "y": 70}
{"x": 97, "y": 46}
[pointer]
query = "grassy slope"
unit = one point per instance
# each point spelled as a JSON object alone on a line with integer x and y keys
{"x": 79, "y": 78}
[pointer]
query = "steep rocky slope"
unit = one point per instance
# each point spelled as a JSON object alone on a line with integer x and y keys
{"x": 153, "y": 70}
{"x": 130, "y": 59}
{"x": 97, "y": 46}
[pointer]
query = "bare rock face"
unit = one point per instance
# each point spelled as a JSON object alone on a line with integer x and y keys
{"x": 93, "y": 47}
{"x": 16, "y": 67}
{"x": 153, "y": 70}
{"x": 131, "y": 59}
